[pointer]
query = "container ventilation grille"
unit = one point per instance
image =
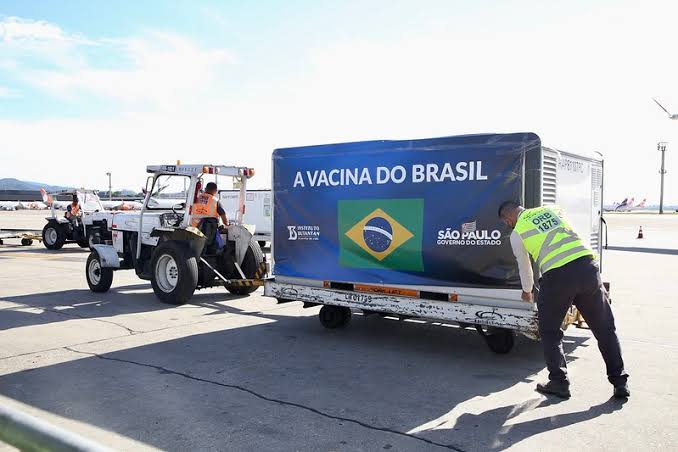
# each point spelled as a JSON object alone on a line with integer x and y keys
{"x": 594, "y": 241}
{"x": 596, "y": 185}
{"x": 597, "y": 190}
{"x": 549, "y": 175}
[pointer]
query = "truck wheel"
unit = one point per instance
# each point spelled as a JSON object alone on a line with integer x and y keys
{"x": 500, "y": 340}
{"x": 99, "y": 279}
{"x": 250, "y": 264}
{"x": 53, "y": 236}
{"x": 174, "y": 274}
{"x": 334, "y": 316}
{"x": 26, "y": 242}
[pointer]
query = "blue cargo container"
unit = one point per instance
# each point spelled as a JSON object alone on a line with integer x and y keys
{"x": 410, "y": 227}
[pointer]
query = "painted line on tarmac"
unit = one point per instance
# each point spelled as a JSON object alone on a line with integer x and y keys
{"x": 22, "y": 307}
{"x": 270, "y": 399}
{"x": 29, "y": 255}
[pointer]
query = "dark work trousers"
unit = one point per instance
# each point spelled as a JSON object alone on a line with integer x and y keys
{"x": 577, "y": 282}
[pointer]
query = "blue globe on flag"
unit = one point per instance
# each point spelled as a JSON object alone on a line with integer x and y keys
{"x": 378, "y": 234}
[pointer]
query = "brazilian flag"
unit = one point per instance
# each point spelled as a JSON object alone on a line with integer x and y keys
{"x": 381, "y": 233}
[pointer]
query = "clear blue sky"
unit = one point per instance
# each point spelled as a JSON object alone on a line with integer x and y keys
{"x": 91, "y": 86}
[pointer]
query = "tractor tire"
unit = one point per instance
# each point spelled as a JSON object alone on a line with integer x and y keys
{"x": 99, "y": 279}
{"x": 250, "y": 264}
{"x": 53, "y": 236}
{"x": 174, "y": 273}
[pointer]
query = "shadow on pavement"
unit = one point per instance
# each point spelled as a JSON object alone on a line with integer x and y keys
{"x": 634, "y": 249}
{"x": 498, "y": 436}
{"x": 83, "y": 304}
{"x": 290, "y": 384}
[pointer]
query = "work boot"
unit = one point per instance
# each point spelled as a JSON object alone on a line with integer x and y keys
{"x": 555, "y": 388}
{"x": 621, "y": 392}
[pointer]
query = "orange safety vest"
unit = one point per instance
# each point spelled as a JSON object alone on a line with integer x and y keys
{"x": 205, "y": 207}
{"x": 75, "y": 210}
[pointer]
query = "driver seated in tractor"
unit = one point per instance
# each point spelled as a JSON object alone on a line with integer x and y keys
{"x": 73, "y": 211}
{"x": 206, "y": 213}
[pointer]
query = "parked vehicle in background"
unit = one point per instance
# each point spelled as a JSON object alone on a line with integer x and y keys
{"x": 258, "y": 211}
{"x": 92, "y": 227}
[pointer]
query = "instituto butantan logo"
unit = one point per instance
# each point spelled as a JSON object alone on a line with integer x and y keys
{"x": 303, "y": 232}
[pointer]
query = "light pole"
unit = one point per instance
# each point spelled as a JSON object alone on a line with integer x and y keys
{"x": 661, "y": 147}
{"x": 110, "y": 193}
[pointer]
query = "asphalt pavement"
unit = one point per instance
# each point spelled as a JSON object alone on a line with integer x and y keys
{"x": 245, "y": 373}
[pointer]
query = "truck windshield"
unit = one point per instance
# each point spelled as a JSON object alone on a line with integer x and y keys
{"x": 169, "y": 191}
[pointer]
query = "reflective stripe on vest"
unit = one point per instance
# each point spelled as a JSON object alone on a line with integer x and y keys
{"x": 549, "y": 239}
{"x": 206, "y": 207}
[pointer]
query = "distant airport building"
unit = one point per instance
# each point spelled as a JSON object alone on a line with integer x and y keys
{"x": 20, "y": 195}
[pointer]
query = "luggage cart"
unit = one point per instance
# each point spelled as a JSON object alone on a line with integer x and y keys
{"x": 25, "y": 235}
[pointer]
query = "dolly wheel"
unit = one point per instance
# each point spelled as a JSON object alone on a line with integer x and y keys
{"x": 334, "y": 316}
{"x": 26, "y": 242}
{"x": 284, "y": 300}
{"x": 500, "y": 340}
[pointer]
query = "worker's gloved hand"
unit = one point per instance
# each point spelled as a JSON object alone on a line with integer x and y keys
{"x": 527, "y": 296}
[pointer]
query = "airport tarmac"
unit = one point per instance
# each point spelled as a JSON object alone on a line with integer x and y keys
{"x": 244, "y": 373}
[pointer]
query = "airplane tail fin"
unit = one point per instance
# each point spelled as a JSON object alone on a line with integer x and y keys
{"x": 47, "y": 199}
{"x": 642, "y": 203}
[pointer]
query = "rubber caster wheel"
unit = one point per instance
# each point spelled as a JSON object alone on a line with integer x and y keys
{"x": 499, "y": 340}
{"x": 333, "y": 317}
{"x": 26, "y": 242}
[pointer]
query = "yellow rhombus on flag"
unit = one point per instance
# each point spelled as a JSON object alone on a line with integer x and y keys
{"x": 400, "y": 234}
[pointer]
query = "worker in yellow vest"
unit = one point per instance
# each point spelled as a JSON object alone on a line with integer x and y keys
{"x": 208, "y": 206}
{"x": 569, "y": 275}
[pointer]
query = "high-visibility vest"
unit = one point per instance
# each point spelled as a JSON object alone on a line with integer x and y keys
{"x": 205, "y": 207}
{"x": 75, "y": 209}
{"x": 549, "y": 239}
